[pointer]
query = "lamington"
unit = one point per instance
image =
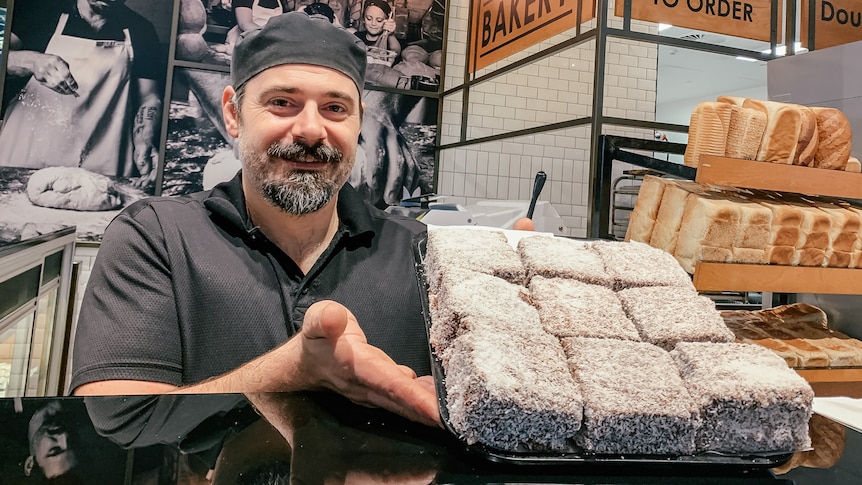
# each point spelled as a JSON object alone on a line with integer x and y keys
{"x": 570, "y": 308}
{"x": 485, "y": 251}
{"x": 665, "y": 315}
{"x": 557, "y": 257}
{"x": 512, "y": 395}
{"x": 750, "y": 401}
{"x": 634, "y": 399}
{"x": 634, "y": 264}
{"x": 467, "y": 299}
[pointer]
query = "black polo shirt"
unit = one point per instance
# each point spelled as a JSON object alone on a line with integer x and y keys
{"x": 184, "y": 288}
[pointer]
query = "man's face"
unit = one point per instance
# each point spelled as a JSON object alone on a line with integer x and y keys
{"x": 49, "y": 441}
{"x": 298, "y": 128}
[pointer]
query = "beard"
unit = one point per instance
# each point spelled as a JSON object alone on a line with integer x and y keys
{"x": 299, "y": 192}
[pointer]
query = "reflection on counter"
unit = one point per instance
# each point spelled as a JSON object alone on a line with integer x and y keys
{"x": 318, "y": 438}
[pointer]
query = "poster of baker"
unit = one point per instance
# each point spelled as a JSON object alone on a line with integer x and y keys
{"x": 82, "y": 108}
{"x": 404, "y": 38}
{"x": 395, "y": 155}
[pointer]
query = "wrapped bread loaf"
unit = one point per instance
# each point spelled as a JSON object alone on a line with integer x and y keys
{"x": 798, "y": 333}
{"x": 669, "y": 217}
{"x": 750, "y": 401}
{"x": 835, "y": 139}
{"x": 745, "y": 133}
{"x": 643, "y": 217}
{"x": 634, "y": 399}
{"x": 784, "y": 122}
{"x": 707, "y": 222}
{"x": 707, "y": 131}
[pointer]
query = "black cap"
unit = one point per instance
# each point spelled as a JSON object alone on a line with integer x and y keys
{"x": 298, "y": 38}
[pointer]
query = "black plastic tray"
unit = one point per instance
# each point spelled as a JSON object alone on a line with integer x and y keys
{"x": 574, "y": 455}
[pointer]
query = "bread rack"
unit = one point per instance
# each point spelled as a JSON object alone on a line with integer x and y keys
{"x": 709, "y": 276}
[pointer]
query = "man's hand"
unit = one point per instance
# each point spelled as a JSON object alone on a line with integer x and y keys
{"x": 330, "y": 352}
{"x": 53, "y": 72}
{"x": 334, "y": 350}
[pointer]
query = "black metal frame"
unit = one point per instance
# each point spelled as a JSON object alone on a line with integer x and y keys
{"x": 613, "y": 148}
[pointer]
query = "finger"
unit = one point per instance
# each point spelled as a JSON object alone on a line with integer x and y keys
{"x": 71, "y": 82}
{"x": 411, "y": 399}
{"x": 407, "y": 371}
{"x": 325, "y": 319}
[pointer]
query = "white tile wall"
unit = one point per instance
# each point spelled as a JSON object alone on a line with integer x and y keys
{"x": 554, "y": 89}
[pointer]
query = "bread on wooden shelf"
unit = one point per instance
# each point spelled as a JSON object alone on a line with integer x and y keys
{"x": 784, "y": 122}
{"x": 643, "y": 216}
{"x": 707, "y": 131}
{"x": 835, "y": 140}
{"x": 770, "y": 131}
{"x": 798, "y": 333}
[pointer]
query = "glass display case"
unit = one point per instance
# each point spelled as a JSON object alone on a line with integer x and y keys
{"x": 35, "y": 275}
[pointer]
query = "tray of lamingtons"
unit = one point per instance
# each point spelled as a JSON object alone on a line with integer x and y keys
{"x": 552, "y": 350}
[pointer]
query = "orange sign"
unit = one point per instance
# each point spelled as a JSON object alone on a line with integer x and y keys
{"x": 836, "y": 22}
{"x": 501, "y": 28}
{"x": 750, "y": 19}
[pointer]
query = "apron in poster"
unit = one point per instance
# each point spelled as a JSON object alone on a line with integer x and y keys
{"x": 44, "y": 128}
{"x": 259, "y": 15}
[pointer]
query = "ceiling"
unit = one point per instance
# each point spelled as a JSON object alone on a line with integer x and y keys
{"x": 687, "y": 74}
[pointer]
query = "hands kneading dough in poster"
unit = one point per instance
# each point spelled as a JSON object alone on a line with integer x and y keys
{"x": 82, "y": 108}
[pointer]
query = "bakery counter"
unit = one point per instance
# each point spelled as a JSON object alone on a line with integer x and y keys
{"x": 321, "y": 438}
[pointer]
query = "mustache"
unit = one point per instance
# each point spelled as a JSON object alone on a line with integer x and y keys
{"x": 297, "y": 151}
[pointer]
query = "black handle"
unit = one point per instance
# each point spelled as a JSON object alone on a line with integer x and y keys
{"x": 537, "y": 189}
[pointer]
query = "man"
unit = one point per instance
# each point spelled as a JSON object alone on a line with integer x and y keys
{"x": 65, "y": 448}
{"x": 231, "y": 290}
{"x": 86, "y": 90}
{"x": 52, "y": 448}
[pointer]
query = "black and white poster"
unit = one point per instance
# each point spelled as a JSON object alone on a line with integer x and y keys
{"x": 395, "y": 158}
{"x": 404, "y": 38}
{"x": 82, "y": 108}
{"x": 81, "y": 136}
{"x": 396, "y": 147}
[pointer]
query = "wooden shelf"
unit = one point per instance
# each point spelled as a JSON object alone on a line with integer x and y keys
{"x": 776, "y": 279}
{"x": 834, "y": 382}
{"x": 782, "y": 178}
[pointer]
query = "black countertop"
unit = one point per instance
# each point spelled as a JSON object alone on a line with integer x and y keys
{"x": 322, "y": 438}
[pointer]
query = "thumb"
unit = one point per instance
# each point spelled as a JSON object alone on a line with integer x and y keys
{"x": 325, "y": 319}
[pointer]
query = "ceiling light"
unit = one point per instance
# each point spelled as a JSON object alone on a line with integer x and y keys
{"x": 782, "y": 49}
{"x": 664, "y": 27}
{"x": 749, "y": 59}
